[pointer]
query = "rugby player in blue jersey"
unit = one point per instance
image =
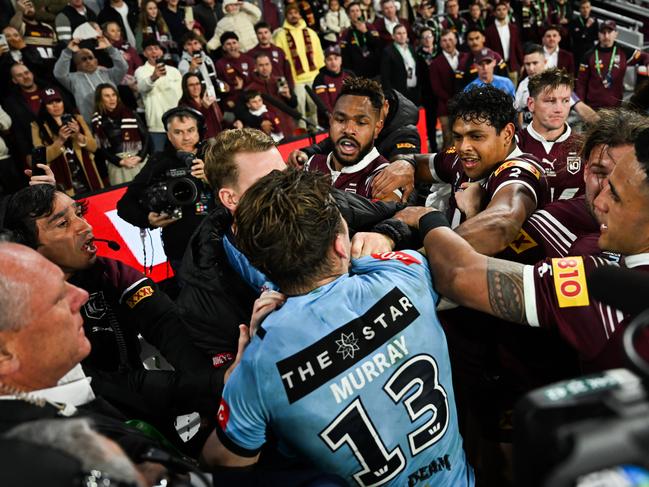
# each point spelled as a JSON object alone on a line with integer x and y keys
{"x": 352, "y": 373}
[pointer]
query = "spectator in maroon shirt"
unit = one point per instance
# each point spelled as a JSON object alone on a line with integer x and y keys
{"x": 600, "y": 82}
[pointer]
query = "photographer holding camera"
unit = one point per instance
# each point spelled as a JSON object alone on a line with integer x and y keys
{"x": 171, "y": 192}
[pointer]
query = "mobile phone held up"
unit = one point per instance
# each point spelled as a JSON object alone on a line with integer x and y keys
{"x": 66, "y": 118}
{"x": 38, "y": 157}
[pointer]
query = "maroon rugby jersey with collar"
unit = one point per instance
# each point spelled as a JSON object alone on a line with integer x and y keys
{"x": 556, "y": 296}
{"x": 560, "y": 159}
{"x": 353, "y": 179}
{"x": 518, "y": 168}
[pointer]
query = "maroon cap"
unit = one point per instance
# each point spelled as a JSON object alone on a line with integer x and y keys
{"x": 50, "y": 95}
{"x": 485, "y": 54}
{"x": 607, "y": 24}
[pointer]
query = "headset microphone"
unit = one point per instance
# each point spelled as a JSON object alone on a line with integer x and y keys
{"x": 112, "y": 245}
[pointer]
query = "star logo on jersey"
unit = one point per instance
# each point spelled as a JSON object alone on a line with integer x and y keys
{"x": 347, "y": 345}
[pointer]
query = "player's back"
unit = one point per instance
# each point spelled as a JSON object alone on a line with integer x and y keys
{"x": 356, "y": 376}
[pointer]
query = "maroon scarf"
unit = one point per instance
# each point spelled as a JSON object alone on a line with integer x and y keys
{"x": 131, "y": 138}
{"x": 297, "y": 63}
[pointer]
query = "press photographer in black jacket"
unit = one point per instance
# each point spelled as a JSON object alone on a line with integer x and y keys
{"x": 184, "y": 127}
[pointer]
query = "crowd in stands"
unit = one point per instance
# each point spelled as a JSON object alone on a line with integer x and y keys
{"x": 143, "y": 50}
{"x": 300, "y": 320}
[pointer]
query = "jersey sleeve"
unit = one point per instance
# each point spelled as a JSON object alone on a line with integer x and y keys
{"x": 518, "y": 171}
{"x": 556, "y": 296}
{"x": 441, "y": 165}
{"x": 242, "y": 417}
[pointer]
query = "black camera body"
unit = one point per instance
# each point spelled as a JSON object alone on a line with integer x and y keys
{"x": 588, "y": 431}
{"x": 178, "y": 190}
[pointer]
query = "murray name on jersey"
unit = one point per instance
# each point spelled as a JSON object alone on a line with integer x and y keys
{"x": 339, "y": 351}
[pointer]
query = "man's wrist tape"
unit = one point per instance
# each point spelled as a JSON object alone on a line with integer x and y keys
{"x": 431, "y": 221}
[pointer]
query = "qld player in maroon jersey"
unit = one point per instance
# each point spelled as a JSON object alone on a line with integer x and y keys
{"x": 549, "y": 137}
{"x": 485, "y": 152}
{"x": 353, "y": 127}
{"x": 554, "y": 293}
{"x": 569, "y": 226}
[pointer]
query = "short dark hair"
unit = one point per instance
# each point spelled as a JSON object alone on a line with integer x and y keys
{"x": 399, "y": 26}
{"x": 250, "y": 94}
{"x": 448, "y": 31}
{"x": 227, "y": 35}
{"x": 262, "y": 25}
{"x": 549, "y": 79}
{"x": 25, "y": 207}
{"x": 642, "y": 150}
{"x": 220, "y": 165}
{"x": 189, "y": 36}
{"x": 473, "y": 29}
{"x": 261, "y": 54}
{"x": 357, "y": 86}
{"x": 352, "y": 3}
{"x": 532, "y": 48}
{"x": 552, "y": 27}
{"x": 483, "y": 104}
{"x": 615, "y": 127}
{"x": 286, "y": 223}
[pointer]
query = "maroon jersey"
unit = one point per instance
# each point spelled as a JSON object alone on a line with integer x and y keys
{"x": 228, "y": 69}
{"x": 557, "y": 230}
{"x": 600, "y": 81}
{"x": 560, "y": 159}
{"x": 354, "y": 179}
{"x": 518, "y": 168}
{"x": 556, "y": 296}
{"x": 281, "y": 68}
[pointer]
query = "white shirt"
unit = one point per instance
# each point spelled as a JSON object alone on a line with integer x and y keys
{"x": 72, "y": 390}
{"x": 389, "y": 25}
{"x": 453, "y": 59}
{"x": 503, "y": 33}
{"x": 551, "y": 58}
{"x": 547, "y": 144}
{"x": 123, "y": 11}
{"x": 410, "y": 64}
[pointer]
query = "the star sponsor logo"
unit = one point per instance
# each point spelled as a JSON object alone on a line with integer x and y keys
{"x": 347, "y": 345}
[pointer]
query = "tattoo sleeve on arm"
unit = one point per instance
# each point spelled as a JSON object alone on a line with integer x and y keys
{"x": 505, "y": 288}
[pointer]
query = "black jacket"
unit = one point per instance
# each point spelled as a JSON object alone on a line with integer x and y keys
{"x": 394, "y": 74}
{"x": 399, "y": 135}
{"x": 109, "y": 14}
{"x": 214, "y": 299}
{"x": 132, "y": 209}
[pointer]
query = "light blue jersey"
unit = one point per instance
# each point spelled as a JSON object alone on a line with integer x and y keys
{"x": 355, "y": 376}
{"x": 500, "y": 82}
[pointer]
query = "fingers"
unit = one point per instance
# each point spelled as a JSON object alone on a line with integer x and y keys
{"x": 407, "y": 191}
{"x": 357, "y": 246}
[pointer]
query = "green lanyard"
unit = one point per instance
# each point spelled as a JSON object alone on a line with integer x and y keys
{"x": 610, "y": 64}
{"x": 356, "y": 37}
{"x": 581, "y": 19}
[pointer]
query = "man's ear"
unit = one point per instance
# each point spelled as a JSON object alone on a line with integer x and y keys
{"x": 509, "y": 131}
{"x": 379, "y": 126}
{"x": 228, "y": 198}
{"x": 9, "y": 362}
{"x": 339, "y": 247}
{"x": 530, "y": 104}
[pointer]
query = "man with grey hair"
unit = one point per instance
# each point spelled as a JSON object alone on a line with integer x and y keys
{"x": 89, "y": 75}
{"x": 77, "y": 438}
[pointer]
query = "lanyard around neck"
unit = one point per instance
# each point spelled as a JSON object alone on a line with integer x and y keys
{"x": 610, "y": 64}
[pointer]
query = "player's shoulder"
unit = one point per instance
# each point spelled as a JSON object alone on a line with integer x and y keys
{"x": 396, "y": 260}
{"x": 515, "y": 165}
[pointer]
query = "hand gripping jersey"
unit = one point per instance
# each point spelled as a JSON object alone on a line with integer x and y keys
{"x": 518, "y": 168}
{"x": 556, "y": 296}
{"x": 354, "y": 376}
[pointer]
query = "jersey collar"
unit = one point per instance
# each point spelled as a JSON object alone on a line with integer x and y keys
{"x": 637, "y": 260}
{"x": 359, "y": 166}
{"x": 547, "y": 144}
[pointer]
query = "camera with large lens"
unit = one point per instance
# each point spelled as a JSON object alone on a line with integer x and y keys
{"x": 178, "y": 190}
{"x": 591, "y": 431}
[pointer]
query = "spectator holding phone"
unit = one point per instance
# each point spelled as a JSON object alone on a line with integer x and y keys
{"x": 195, "y": 96}
{"x": 160, "y": 87}
{"x": 70, "y": 146}
{"x": 195, "y": 60}
{"x": 83, "y": 82}
{"x": 123, "y": 138}
{"x": 152, "y": 25}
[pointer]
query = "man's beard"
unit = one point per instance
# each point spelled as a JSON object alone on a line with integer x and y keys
{"x": 363, "y": 151}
